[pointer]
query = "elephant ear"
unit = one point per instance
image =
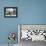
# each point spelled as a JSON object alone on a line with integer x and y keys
{"x": 8, "y": 37}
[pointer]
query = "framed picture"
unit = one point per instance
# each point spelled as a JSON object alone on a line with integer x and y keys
{"x": 10, "y": 12}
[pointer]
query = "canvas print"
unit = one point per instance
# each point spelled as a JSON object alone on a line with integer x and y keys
{"x": 12, "y": 38}
{"x": 10, "y": 12}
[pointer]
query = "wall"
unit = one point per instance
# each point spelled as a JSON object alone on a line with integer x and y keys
{"x": 33, "y": 11}
{"x": 29, "y": 12}
{"x": 7, "y": 25}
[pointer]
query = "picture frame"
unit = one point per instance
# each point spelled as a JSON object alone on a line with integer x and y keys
{"x": 10, "y": 12}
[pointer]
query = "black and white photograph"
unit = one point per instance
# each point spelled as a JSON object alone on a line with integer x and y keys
{"x": 10, "y": 12}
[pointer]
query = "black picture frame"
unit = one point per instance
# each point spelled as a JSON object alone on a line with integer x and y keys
{"x": 9, "y": 14}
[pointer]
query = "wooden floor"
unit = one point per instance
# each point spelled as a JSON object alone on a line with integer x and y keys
{"x": 30, "y": 43}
